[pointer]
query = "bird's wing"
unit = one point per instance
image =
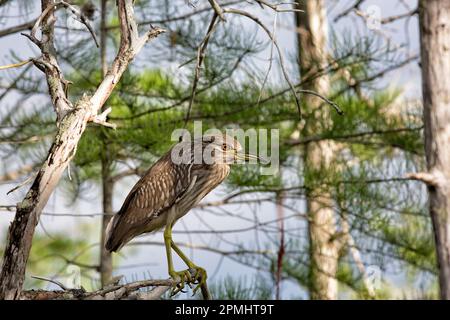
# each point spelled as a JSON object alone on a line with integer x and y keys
{"x": 163, "y": 185}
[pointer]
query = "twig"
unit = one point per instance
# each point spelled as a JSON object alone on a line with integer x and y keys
{"x": 200, "y": 57}
{"x": 25, "y": 182}
{"x": 101, "y": 119}
{"x": 270, "y": 62}
{"x": 55, "y": 6}
{"x": 18, "y": 28}
{"x": 15, "y": 82}
{"x": 356, "y": 5}
{"x": 217, "y": 9}
{"x": 10, "y": 208}
{"x": 400, "y": 16}
{"x": 283, "y": 68}
{"x": 331, "y": 103}
{"x": 52, "y": 281}
{"x": 276, "y": 6}
{"x": 434, "y": 178}
{"x": 15, "y": 65}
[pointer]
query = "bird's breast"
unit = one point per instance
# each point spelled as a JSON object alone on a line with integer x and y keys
{"x": 207, "y": 179}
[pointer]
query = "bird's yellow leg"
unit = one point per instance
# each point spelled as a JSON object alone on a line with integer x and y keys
{"x": 181, "y": 276}
{"x": 200, "y": 273}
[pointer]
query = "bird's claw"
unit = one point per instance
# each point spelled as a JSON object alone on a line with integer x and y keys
{"x": 180, "y": 278}
{"x": 199, "y": 278}
{"x": 184, "y": 277}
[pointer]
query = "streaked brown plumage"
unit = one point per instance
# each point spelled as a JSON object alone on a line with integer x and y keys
{"x": 163, "y": 187}
{"x": 168, "y": 190}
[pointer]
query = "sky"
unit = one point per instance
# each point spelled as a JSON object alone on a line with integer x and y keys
{"x": 152, "y": 258}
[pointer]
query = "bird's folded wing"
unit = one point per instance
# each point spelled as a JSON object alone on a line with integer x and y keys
{"x": 156, "y": 191}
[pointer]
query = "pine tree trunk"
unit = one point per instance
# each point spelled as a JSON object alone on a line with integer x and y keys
{"x": 312, "y": 29}
{"x": 105, "y": 256}
{"x": 435, "y": 52}
{"x": 106, "y": 267}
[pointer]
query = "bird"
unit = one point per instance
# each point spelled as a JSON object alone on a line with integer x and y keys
{"x": 169, "y": 189}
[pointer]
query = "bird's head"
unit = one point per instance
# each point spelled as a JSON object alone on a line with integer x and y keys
{"x": 222, "y": 148}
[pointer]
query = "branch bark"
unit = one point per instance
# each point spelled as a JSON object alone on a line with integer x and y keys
{"x": 72, "y": 121}
{"x": 129, "y": 291}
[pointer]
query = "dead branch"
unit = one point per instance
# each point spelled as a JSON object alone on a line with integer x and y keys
{"x": 399, "y": 16}
{"x": 128, "y": 291}
{"x": 200, "y": 57}
{"x": 59, "y": 284}
{"x": 218, "y": 9}
{"x": 15, "y": 65}
{"x": 21, "y": 27}
{"x": 14, "y": 83}
{"x": 355, "y": 6}
{"x": 276, "y": 6}
{"x": 23, "y": 183}
{"x": 115, "y": 292}
{"x": 328, "y": 101}
{"x": 80, "y": 16}
{"x": 280, "y": 54}
{"x": 266, "y": 77}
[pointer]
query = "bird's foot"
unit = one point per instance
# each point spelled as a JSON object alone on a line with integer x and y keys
{"x": 199, "y": 277}
{"x": 180, "y": 278}
{"x": 193, "y": 275}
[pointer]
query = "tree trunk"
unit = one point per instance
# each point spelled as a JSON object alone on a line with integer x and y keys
{"x": 312, "y": 29}
{"x": 107, "y": 183}
{"x": 435, "y": 53}
{"x": 21, "y": 230}
{"x": 105, "y": 256}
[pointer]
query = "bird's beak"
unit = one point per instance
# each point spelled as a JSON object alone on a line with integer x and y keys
{"x": 249, "y": 157}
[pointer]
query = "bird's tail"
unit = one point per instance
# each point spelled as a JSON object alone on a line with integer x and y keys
{"x": 113, "y": 241}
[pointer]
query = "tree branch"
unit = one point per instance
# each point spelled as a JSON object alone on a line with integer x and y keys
{"x": 116, "y": 292}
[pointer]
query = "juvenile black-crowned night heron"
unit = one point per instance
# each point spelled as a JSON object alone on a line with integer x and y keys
{"x": 168, "y": 190}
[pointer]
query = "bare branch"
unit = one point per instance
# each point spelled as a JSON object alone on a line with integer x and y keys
{"x": 399, "y": 16}
{"x": 356, "y": 6}
{"x": 52, "y": 281}
{"x": 200, "y": 57}
{"x": 54, "y": 7}
{"x": 25, "y": 182}
{"x": 276, "y": 6}
{"x": 433, "y": 178}
{"x": 331, "y": 103}
{"x": 218, "y": 9}
{"x": 18, "y": 28}
{"x": 112, "y": 292}
{"x": 15, "y": 65}
{"x": 101, "y": 119}
{"x": 280, "y": 55}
